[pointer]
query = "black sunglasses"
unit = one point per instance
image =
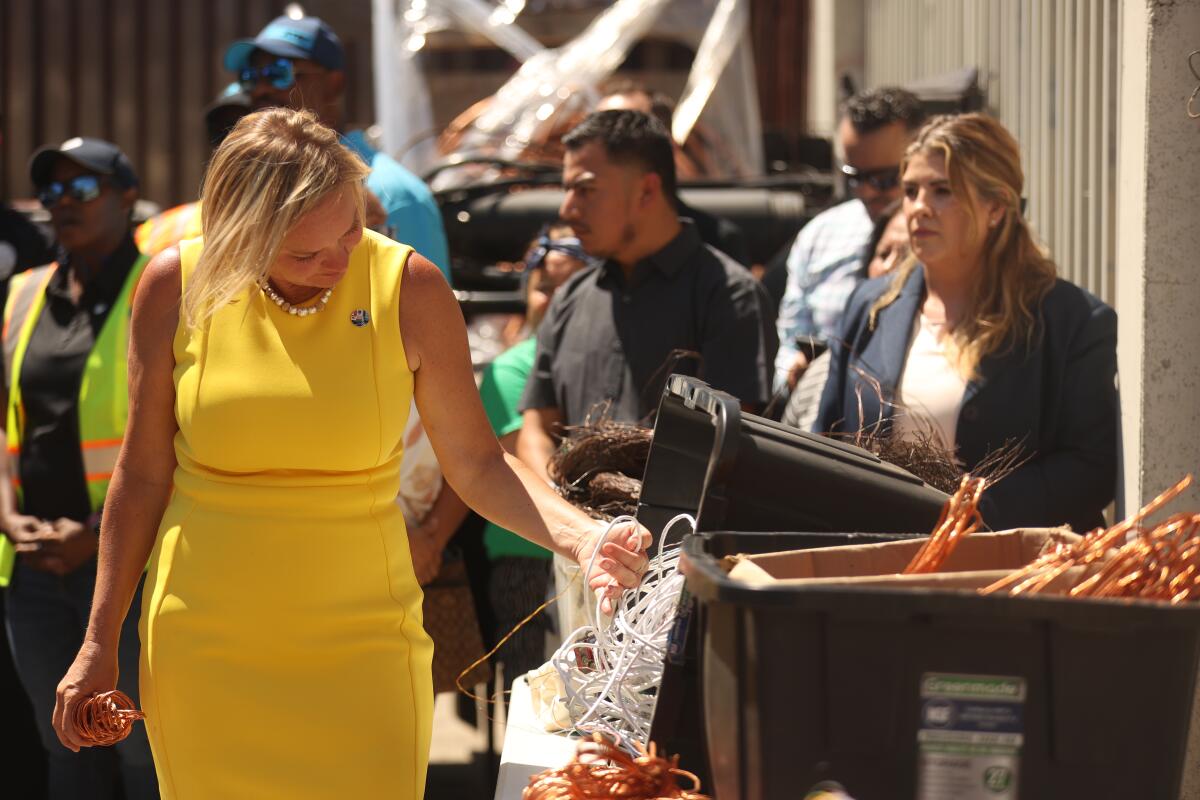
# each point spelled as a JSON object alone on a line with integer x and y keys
{"x": 81, "y": 189}
{"x": 881, "y": 180}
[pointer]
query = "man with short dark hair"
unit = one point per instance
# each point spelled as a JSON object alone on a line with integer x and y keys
{"x": 613, "y": 332}
{"x": 824, "y": 261}
{"x": 716, "y": 231}
{"x": 300, "y": 64}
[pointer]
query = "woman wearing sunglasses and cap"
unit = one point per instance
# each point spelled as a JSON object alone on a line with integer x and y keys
{"x": 65, "y": 338}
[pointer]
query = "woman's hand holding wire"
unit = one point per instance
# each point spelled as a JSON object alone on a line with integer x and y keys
{"x": 613, "y": 557}
{"x": 94, "y": 671}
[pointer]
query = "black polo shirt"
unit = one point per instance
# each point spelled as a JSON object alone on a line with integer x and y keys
{"x": 52, "y": 474}
{"x": 719, "y": 232}
{"x": 605, "y": 339}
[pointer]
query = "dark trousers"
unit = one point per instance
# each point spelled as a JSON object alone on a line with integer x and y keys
{"x": 517, "y": 587}
{"x": 46, "y": 617}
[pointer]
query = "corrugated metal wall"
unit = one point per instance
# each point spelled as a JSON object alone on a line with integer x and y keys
{"x": 779, "y": 30}
{"x": 139, "y": 73}
{"x": 1048, "y": 69}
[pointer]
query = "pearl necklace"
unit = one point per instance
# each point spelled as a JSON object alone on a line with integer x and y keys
{"x": 297, "y": 311}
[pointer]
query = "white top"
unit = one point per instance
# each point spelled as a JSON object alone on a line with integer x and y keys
{"x": 931, "y": 389}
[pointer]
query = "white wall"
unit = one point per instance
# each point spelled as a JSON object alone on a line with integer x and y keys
{"x": 1048, "y": 69}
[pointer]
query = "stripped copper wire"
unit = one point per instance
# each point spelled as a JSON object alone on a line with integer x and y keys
{"x": 1160, "y": 564}
{"x": 601, "y": 769}
{"x": 106, "y": 718}
{"x": 1131, "y": 561}
{"x": 960, "y": 517}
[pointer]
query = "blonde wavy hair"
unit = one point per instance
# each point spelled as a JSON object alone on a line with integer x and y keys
{"x": 274, "y": 167}
{"x": 983, "y": 161}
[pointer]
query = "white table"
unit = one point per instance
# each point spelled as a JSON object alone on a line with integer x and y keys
{"x": 528, "y": 748}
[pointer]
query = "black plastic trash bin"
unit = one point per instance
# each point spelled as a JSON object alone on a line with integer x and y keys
{"x": 736, "y": 471}
{"x": 809, "y": 684}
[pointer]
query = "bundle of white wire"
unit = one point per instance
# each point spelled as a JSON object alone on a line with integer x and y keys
{"x": 611, "y": 672}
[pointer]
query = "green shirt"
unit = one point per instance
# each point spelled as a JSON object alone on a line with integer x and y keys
{"x": 501, "y": 389}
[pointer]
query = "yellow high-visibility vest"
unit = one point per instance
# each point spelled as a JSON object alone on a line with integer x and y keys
{"x": 168, "y": 228}
{"x": 103, "y": 392}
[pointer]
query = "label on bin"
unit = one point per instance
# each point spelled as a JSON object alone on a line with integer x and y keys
{"x": 677, "y": 637}
{"x": 970, "y": 736}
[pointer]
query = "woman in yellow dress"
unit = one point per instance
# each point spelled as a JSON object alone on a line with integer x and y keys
{"x": 271, "y": 370}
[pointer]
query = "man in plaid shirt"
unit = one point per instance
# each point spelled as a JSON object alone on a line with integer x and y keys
{"x": 825, "y": 262}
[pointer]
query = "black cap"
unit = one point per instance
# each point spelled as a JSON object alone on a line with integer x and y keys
{"x": 231, "y": 96}
{"x": 97, "y": 155}
{"x": 224, "y": 112}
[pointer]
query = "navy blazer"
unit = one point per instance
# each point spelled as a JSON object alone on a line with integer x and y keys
{"x": 1058, "y": 397}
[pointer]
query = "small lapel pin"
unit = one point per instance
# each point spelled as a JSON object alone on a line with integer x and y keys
{"x": 360, "y": 317}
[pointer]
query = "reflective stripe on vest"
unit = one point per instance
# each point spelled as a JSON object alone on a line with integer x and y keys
{"x": 24, "y": 292}
{"x": 103, "y": 390}
{"x": 168, "y": 228}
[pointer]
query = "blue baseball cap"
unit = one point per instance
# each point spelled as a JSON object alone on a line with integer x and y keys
{"x": 307, "y": 38}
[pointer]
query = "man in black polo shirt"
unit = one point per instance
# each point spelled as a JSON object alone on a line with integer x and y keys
{"x": 717, "y": 231}
{"x": 615, "y": 332}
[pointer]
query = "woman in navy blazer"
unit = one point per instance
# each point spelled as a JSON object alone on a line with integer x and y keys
{"x": 1035, "y": 356}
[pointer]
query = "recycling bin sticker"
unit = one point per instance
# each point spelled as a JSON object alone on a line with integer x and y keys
{"x": 969, "y": 738}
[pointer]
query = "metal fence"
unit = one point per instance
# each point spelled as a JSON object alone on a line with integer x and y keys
{"x": 139, "y": 73}
{"x": 1048, "y": 70}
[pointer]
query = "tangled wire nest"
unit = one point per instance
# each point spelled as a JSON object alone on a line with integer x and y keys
{"x": 603, "y": 770}
{"x": 924, "y": 457}
{"x": 922, "y": 452}
{"x": 598, "y": 467}
{"x": 106, "y": 718}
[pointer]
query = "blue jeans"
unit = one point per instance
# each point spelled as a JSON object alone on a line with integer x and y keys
{"x": 46, "y": 617}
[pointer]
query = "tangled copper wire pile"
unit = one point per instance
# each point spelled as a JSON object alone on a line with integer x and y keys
{"x": 1158, "y": 563}
{"x": 960, "y": 517}
{"x": 106, "y": 718}
{"x": 920, "y": 454}
{"x": 598, "y": 467}
{"x": 602, "y": 770}
{"x": 922, "y": 451}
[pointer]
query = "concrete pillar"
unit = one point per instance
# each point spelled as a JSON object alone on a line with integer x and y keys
{"x": 1158, "y": 251}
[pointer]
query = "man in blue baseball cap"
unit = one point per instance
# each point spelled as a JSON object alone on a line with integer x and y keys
{"x": 300, "y": 64}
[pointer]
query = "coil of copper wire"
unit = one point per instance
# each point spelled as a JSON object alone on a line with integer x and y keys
{"x": 602, "y": 770}
{"x": 106, "y": 718}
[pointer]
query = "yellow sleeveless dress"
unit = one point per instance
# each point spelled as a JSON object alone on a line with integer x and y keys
{"x": 282, "y": 648}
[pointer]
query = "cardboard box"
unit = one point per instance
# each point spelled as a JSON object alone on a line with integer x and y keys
{"x": 979, "y": 560}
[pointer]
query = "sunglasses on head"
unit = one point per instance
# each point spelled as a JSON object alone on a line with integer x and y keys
{"x": 545, "y": 245}
{"x": 81, "y": 189}
{"x": 279, "y": 74}
{"x": 881, "y": 180}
